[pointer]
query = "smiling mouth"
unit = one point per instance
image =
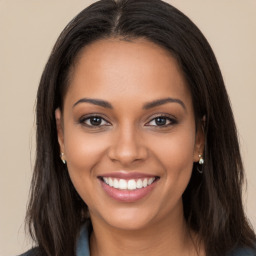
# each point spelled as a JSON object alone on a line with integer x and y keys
{"x": 128, "y": 184}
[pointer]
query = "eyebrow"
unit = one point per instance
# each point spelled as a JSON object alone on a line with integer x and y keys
{"x": 97, "y": 102}
{"x": 159, "y": 102}
{"x": 155, "y": 103}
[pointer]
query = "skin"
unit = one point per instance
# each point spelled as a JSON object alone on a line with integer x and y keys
{"x": 128, "y": 75}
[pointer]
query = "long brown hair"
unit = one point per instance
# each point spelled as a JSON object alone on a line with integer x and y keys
{"x": 212, "y": 201}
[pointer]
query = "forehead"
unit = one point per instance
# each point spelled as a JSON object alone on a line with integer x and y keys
{"x": 113, "y": 68}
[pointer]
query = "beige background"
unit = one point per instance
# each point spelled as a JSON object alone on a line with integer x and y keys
{"x": 28, "y": 30}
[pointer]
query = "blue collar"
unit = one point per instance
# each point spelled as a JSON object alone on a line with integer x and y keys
{"x": 82, "y": 248}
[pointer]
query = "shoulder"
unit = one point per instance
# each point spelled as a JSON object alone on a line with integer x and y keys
{"x": 82, "y": 246}
{"x": 32, "y": 252}
{"x": 244, "y": 252}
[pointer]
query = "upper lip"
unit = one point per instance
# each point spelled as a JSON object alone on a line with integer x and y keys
{"x": 127, "y": 175}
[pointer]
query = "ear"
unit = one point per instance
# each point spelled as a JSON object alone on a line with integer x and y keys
{"x": 200, "y": 140}
{"x": 59, "y": 126}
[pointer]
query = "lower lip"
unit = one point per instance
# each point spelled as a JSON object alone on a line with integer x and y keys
{"x": 127, "y": 195}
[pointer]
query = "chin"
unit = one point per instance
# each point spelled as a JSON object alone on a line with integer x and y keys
{"x": 128, "y": 219}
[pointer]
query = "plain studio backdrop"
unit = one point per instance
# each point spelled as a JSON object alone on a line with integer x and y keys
{"x": 28, "y": 30}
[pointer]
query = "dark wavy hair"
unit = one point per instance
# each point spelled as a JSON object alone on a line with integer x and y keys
{"x": 212, "y": 201}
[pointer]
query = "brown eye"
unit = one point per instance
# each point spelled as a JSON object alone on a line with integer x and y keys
{"x": 94, "y": 121}
{"x": 161, "y": 121}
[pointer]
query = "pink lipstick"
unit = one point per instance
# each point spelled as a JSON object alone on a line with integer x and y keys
{"x": 128, "y": 187}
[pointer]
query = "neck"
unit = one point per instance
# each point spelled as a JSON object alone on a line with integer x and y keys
{"x": 169, "y": 236}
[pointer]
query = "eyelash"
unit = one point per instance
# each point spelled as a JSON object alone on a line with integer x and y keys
{"x": 171, "y": 121}
{"x": 89, "y": 118}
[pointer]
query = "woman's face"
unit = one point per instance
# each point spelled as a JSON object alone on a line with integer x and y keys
{"x": 128, "y": 134}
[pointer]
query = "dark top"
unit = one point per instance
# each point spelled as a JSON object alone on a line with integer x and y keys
{"x": 82, "y": 248}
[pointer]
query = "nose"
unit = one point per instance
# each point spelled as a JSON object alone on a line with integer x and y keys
{"x": 127, "y": 147}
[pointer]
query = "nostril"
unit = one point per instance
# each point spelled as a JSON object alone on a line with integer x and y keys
{"x": 127, "y": 153}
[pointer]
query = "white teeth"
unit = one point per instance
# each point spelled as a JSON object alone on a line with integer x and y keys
{"x": 128, "y": 184}
{"x": 110, "y": 182}
{"x": 131, "y": 185}
{"x": 122, "y": 184}
{"x": 139, "y": 183}
{"x": 105, "y": 180}
{"x": 116, "y": 183}
{"x": 150, "y": 181}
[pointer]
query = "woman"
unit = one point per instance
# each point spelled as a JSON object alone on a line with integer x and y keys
{"x": 135, "y": 153}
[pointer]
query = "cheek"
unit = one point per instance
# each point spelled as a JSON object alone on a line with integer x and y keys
{"x": 83, "y": 153}
{"x": 175, "y": 154}
{"x": 82, "y": 150}
{"x": 176, "y": 148}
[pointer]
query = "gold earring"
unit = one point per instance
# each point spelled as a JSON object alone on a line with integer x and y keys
{"x": 62, "y": 158}
{"x": 201, "y": 160}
